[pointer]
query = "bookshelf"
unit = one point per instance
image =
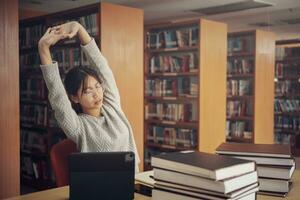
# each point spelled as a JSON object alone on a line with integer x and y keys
{"x": 287, "y": 94}
{"x": 250, "y": 87}
{"x": 116, "y": 29}
{"x": 185, "y": 86}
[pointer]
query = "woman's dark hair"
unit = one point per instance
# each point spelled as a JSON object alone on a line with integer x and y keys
{"x": 77, "y": 77}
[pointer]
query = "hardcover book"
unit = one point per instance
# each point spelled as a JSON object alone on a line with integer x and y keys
{"x": 201, "y": 164}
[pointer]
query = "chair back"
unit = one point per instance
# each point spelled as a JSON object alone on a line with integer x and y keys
{"x": 59, "y": 160}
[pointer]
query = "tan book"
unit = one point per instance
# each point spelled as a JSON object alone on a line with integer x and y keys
{"x": 266, "y": 160}
{"x": 231, "y": 195}
{"x": 206, "y": 196}
{"x": 223, "y": 186}
{"x": 274, "y": 185}
{"x": 167, "y": 195}
{"x": 278, "y": 172}
{"x": 145, "y": 178}
{"x": 263, "y": 150}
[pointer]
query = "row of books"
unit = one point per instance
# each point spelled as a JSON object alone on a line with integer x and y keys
{"x": 184, "y": 62}
{"x": 287, "y": 69}
{"x": 173, "y": 38}
{"x": 174, "y": 137}
{"x": 33, "y": 115}
{"x": 274, "y": 163}
{"x": 240, "y": 66}
{"x": 239, "y": 87}
{"x": 240, "y": 129}
{"x": 242, "y": 44}
{"x": 30, "y": 35}
{"x": 192, "y": 175}
{"x": 239, "y": 108}
{"x": 287, "y": 122}
{"x": 286, "y": 105}
{"x": 171, "y": 112}
{"x": 31, "y": 59}
{"x": 66, "y": 58}
{"x": 90, "y": 22}
{"x": 287, "y": 87}
{"x": 287, "y": 52}
{"x": 33, "y": 88}
{"x": 69, "y": 57}
{"x": 32, "y": 141}
{"x": 35, "y": 169}
{"x": 281, "y": 137}
{"x": 179, "y": 86}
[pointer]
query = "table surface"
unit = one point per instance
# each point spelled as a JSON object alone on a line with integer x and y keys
{"x": 62, "y": 193}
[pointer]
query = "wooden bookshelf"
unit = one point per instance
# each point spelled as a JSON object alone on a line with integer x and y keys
{"x": 250, "y": 87}
{"x": 185, "y": 86}
{"x": 287, "y": 98}
{"x": 118, "y": 31}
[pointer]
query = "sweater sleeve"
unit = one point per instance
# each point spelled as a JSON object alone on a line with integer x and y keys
{"x": 97, "y": 60}
{"x": 66, "y": 117}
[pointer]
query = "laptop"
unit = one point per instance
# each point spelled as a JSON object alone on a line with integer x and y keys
{"x": 101, "y": 176}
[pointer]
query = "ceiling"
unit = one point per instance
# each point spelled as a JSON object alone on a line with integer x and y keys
{"x": 283, "y": 17}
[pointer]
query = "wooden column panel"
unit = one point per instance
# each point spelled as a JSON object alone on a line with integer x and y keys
{"x": 213, "y": 56}
{"x": 122, "y": 45}
{"x": 264, "y": 87}
{"x": 9, "y": 103}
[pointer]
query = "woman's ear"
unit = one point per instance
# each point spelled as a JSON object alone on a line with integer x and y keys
{"x": 74, "y": 99}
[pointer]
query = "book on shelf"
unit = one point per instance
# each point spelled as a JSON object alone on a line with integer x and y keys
{"x": 223, "y": 186}
{"x": 169, "y": 39}
{"x": 176, "y": 137}
{"x": 278, "y": 172}
{"x": 203, "y": 164}
{"x": 181, "y": 188}
{"x": 262, "y": 150}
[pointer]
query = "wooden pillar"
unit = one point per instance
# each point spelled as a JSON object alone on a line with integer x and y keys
{"x": 9, "y": 102}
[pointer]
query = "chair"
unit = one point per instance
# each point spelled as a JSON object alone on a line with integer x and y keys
{"x": 59, "y": 160}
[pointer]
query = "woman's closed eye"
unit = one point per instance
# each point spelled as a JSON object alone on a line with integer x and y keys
{"x": 87, "y": 91}
{"x": 90, "y": 91}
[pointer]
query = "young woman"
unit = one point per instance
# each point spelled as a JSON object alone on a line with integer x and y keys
{"x": 88, "y": 109}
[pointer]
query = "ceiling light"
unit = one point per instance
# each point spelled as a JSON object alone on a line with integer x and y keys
{"x": 233, "y": 7}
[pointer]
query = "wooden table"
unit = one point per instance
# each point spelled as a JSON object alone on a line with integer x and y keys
{"x": 62, "y": 193}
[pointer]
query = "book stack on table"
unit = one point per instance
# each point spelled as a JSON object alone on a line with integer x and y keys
{"x": 275, "y": 164}
{"x": 195, "y": 175}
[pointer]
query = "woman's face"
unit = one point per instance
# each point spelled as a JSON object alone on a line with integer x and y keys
{"x": 90, "y": 96}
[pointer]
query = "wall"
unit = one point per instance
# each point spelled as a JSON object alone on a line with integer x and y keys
{"x": 23, "y": 13}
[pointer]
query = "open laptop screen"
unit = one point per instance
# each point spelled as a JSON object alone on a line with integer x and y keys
{"x": 102, "y": 175}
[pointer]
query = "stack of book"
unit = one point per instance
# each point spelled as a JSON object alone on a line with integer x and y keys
{"x": 192, "y": 175}
{"x": 275, "y": 164}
